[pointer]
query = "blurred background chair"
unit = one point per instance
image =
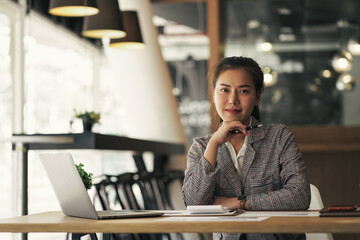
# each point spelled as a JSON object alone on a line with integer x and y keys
{"x": 316, "y": 203}
{"x": 137, "y": 191}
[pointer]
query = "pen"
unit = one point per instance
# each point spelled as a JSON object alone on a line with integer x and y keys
{"x": 247, "y": 128}
{"x": 253, "y": 127}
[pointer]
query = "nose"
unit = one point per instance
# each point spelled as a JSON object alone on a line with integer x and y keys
{"x": 233, "y": 98}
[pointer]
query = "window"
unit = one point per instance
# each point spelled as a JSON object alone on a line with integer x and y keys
{"x": 6, "y": 99}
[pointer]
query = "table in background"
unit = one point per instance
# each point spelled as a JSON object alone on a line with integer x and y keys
{"x": 90, "y": 140}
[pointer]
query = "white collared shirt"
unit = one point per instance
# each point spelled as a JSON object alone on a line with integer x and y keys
{"x": 239, "y": 158}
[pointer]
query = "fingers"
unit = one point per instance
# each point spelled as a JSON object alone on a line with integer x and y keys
{"x": 229, "y": 130}
{"x": 237, "y": 127}
{"x": 230, "y": 203}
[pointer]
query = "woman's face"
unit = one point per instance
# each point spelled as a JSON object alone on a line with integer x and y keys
{"x": 235, "y": 96}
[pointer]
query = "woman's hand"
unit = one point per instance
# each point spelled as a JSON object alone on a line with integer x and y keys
{"x": 229, "y": 203}
{"x": 223, "y": 134}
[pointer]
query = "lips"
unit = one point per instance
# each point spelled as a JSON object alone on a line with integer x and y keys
{"x": 233, "y": 111}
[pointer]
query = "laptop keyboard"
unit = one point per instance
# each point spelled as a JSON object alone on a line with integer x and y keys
{"x": 108, "y": 214}
{"x": 114, "y": 212}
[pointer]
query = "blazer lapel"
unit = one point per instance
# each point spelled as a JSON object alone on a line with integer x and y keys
{"x": 227, "y": 166}
{"x": 256, "y": 135}
{"x": 248, "y": 160}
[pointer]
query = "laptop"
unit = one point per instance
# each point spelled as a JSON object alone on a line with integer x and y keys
{"x": 71, "y": 193}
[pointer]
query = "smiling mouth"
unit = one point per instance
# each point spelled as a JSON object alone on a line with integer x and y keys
{"x": 233, "y": 111}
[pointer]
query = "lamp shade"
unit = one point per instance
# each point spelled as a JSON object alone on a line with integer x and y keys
{"x": 108, "y": 23}
{"x": 73, "y": 8}
{"x": 133, "y": 37}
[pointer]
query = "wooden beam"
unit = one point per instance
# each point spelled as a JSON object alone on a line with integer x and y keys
{"x": 215, "y": 30}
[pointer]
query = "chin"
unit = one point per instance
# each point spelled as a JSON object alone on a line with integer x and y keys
{"x": 232, "y": 119}
{"x": 241, "y": 119}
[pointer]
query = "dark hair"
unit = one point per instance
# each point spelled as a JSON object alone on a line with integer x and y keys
{"x": 247, "y": 64}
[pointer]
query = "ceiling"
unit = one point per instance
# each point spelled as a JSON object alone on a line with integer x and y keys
{"x": 277, "y": 20}
{"x": 246, "y": 20}
{"x": 310, "y": 30}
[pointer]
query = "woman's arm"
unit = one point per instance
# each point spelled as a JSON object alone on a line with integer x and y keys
{"x": 199, "y": 181}
{"x": 295, "y": 192}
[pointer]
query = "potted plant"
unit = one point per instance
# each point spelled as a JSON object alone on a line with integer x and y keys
{"x": 86, "y": 177}
{"x": 88, "y": 119}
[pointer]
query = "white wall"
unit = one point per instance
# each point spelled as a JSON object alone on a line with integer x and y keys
{"x": 145, "y": 85}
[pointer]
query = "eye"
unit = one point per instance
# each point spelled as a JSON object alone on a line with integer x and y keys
{"x": 244, "y": 91}
{"x": 224, "y": 90}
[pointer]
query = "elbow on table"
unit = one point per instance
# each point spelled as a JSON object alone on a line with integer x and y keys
{"x": 192, "y": 199}
{"x": 304, "y": 198}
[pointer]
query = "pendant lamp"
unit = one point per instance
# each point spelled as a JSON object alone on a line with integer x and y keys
{"x": 133, "y": 37}
{"x": 73, "y": 8}
{"x": 354, "y": 46}
{"x": 342, "y": 61}
{"x": 108, "y": 23}
{"x": 345, "y": 82}
{"x": 270, "y": 77}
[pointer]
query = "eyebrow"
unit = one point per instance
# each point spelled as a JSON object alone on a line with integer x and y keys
{"x": 241, "y": 86}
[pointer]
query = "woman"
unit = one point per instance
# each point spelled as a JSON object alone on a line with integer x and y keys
{"x": 259, "y": 169}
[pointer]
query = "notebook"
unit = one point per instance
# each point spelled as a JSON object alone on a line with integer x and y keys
{"x": 71, "y": 193}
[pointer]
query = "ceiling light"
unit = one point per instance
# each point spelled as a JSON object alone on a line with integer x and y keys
{"x": 287, "y": 37}
{"x": 342, "y": 62}
{"x": 108, "y": 23}
{"x": 277, "y": 96}
{"x": 354, "y": 46}
{"x": 253, "y": 24}
{"x": 270, "y": 77}
{"x": 284, "y": 11}
{"x": 326, "y": 73}
{"x": 342, "y": 23}
{"x": 264, "y": 46}
{"x": 73, "y": 8}
{"x": 312, "y": 88}
{"x": 317, "y": 81}
{"x": 345, "y": 82}
{"x": 133, "y": 38}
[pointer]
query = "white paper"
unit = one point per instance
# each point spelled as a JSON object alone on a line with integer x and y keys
{"x": 185, "y": 213}
{"x": 211, "y": 219}
{"x": 279, "y": 214}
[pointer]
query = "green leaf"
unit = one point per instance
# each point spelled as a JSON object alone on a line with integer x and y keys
{"x": 86, "y": 177}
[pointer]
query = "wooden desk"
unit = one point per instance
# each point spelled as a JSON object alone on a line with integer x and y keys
{"x": 57, "y": 222}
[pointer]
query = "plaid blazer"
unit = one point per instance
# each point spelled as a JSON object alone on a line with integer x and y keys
{"x": 273, "y": 174}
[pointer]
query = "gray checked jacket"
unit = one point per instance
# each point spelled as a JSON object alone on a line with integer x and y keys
{"x": 273, "y": 176}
